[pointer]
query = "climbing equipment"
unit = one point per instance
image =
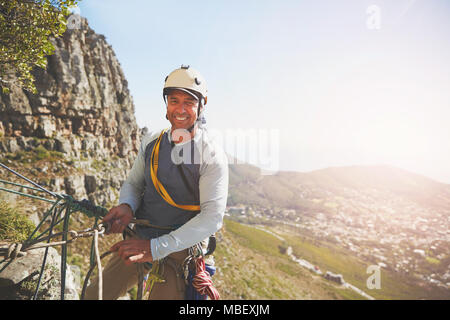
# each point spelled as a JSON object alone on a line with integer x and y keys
{"x": 193, "y": 271}
{"x": 154, "y": 160}
{"x": 158, "y": 185}
{"x": 202, "y": 282}
{"x": 197, "y": 276}
{"x": 61, "y": 210}
{"x": 154, "y": 276}
{"x": 188, "y": 80}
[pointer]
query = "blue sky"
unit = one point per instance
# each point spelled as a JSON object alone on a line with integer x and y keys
{"x": 338, "y": 91}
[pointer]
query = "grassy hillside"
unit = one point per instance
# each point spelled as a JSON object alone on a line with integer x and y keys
{"x": 251, "y": 266}
{"x": 354, "y": 270}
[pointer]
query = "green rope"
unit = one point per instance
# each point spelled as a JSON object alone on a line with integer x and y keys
{"x": 64, "y": 203}
{"x": 46, "y": 215}
{"x": 20, "y": 185}
{"x": 44, "y": 260}
{"x": 26, "y": 195}
{"x": 86, "y": 207}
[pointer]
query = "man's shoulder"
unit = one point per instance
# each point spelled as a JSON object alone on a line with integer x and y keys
{"x": 148, "y": 138}
{"x": 213, "y": 152}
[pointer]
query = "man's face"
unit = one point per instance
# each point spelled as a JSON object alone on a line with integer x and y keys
{"x": 181, "y": 109}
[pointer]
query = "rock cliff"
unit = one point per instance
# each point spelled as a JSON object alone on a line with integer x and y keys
{"x": 83, "y": 112}
{"x": 78, "y": 135}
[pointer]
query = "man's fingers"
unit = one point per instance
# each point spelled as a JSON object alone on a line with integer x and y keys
{"x": 134, "y": 258}
{"x": 110, "y": 215}
{"x": 118, "y": 217}
{"x": 117, "y": 245}
{"x": 127, "y": 248}
{"x": 131, "y": 251}
{"x": 137, "y": 257}
{"x": 116, "y": 226}
{"x": 121, "y": 245}
{"x": 127, "y": 252}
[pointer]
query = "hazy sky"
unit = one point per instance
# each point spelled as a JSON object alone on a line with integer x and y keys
{"x": 348, "y": 82}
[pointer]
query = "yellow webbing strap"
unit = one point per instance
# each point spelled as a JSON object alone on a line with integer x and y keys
{"x": 154, "y": 276}
{"x": 158, "y": 185}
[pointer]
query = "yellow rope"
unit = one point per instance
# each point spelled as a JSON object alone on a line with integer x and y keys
{"x": 158, "y": 185}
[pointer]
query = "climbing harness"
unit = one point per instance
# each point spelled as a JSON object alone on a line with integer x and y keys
{"x": 158, "y": 185}
{"x": 154, "y": 276}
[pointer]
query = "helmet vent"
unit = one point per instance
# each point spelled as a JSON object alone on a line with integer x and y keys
{"x": 184, "y": 67}
{"x": 198, "y": 82}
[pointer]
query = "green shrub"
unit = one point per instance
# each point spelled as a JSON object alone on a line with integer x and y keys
{"x": 41, "y": 153}
{"x": 37, "y": 154}
{"x": 13, "y": 225}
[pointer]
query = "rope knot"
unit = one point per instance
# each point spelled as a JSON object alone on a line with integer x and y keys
{"x": 73, "y": 234}
{"x": 202, "y": 281}
{"x": 14, "y": 251}
{"x": 86, "y": 207}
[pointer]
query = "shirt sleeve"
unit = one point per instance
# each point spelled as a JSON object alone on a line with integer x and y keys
{"x": 133, "y": 188}
{"x": 213, "y": 187}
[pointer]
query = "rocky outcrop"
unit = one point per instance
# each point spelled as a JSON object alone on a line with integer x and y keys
{"x": 19, "y": 278}
{"x": 78, "y": 135}
{"x": 83, "y": 110}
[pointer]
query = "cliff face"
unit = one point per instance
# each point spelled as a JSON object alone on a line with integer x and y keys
{"x": 83, "y": 110}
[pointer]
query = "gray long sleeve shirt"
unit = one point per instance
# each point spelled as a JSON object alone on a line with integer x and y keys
{"x": 204, "y": 164}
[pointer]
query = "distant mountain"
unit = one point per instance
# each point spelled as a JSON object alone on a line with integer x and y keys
{"x": 300, "y": 190}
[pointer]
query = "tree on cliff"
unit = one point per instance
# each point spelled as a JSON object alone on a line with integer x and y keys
{"x": 25, "y": 30}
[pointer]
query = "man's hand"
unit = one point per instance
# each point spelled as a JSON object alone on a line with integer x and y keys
{"x": 134, "y": 250}
{"x": 119, "y": 217}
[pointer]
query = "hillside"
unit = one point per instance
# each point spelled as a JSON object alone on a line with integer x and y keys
{"x": 252, "y": 264}
{"x": 297, "y": 190}
{"x": 380, "y": 215}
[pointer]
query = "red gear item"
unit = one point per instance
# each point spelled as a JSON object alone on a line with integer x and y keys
{"x": 202, "y": 281}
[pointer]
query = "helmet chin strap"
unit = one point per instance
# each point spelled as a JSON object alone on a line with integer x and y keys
{"x": 198, "y": 117}
{"x": 191, "y": 127}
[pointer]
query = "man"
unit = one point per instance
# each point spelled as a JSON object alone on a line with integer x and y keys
{"x": 179, "y": 180}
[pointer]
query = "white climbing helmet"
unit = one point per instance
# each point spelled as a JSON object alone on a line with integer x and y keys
{"x": 188, "y": 80}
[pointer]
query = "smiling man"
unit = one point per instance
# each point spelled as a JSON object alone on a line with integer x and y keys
{"x": 181, "y": 109}
{"x": 178, "y": 187}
